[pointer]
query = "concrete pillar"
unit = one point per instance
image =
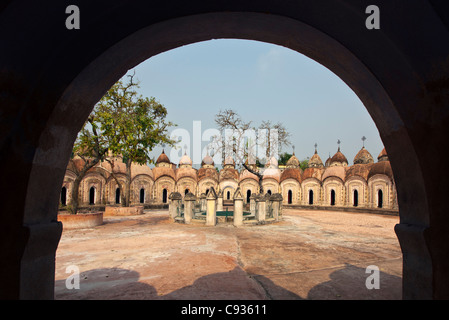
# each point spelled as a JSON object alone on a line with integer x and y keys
{"x": 252, "y": 204}
{"x": 174, "y": 205}
{"x": 203, "y": 202}
{"x": 189, "y": 202}
{"x": 220, "y": 201}
{"x": 268, "y": 213}
{"x": 238, "y": 208}
{"x": 276, "y": 201}
{"x": 260, "y": 208}
{"x": 211, "y": 212}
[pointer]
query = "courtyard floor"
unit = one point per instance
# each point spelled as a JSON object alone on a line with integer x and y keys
{"x": 308, "y": 255}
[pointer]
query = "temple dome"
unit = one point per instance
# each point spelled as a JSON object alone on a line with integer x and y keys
{"x": 271, "y": 170}
{"x": 313, "y": 172}
{"x": 272, "y": 173}
{"x": 162, "y": 158}
{"x": 163, "y": 171}
{"x": 382, "y": 168}
{"x": 363, "y": 157}
{"x": 338, "y": 159}
{"x": 229, "y": 173}
{"x": 383, "y": 156}
{"x": 293, "y": 162}
{"x": 143, "y": 169}
{"x": 315, "y": 161}
{"x": 207, "y": 172}
{"x": 185, "y": 160}
{"x": 186, "y": 172}
{"x": 207, "y": 160}
{"x": 328, "y": 161}
{"x": 291, "y": 173}
{"x": 334, "y": 171}
{"x": 359, "y": 170}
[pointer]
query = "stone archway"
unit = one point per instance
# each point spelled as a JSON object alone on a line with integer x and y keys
{"x": 51, "y": 77}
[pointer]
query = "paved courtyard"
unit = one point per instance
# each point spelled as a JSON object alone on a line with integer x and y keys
{"x": 308, "y": 255}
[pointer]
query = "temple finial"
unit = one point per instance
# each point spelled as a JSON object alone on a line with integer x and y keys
{"x": 363, "y": 140}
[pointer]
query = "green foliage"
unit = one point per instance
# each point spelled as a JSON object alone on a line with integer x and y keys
{"x": 283, "y": 158}
{"x": 304, "y": 164}
{"x": 131, "y": 124}
{"x": 125, "y": 124}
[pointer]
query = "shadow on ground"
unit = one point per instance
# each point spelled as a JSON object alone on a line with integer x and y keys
{"x": 121, "y": 284}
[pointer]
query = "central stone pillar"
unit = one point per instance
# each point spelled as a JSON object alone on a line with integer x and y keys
{"x": 189, "y": 202}
{"x": 276, "y": 200}
{"x": 252, "y": 204}
{"x": 211, "y": 212}
{"x": 174, "y": 206}
{"x": 220, "y": 201}
{"x": 238, "y": 208}
{"x": 260, "y": 208}
{"x": 203, "y": 202}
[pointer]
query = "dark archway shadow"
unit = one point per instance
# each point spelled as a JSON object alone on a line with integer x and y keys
{"x": 347, "y": 283}
{"x": 123, "y": 284}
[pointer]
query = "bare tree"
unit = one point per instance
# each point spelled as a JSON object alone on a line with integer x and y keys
{"x": 242, "y": 141}
{"x": 277, "y": 137}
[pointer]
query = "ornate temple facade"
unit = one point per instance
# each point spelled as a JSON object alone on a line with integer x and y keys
{"x": 365, "y": 184}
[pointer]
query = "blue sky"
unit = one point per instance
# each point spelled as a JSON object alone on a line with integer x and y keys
{"x": 261, "y": 82}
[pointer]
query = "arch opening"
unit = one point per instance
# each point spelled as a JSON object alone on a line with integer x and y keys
{"x": 164, "y": 195}
{"x": 355, "y": 198}
{"x": 380, "y": 198}
{"x": 92, "y": 195}
{"x": 332, "y": 196}
{"x": 142, "y": 195}
{"x": 117, "y": 196}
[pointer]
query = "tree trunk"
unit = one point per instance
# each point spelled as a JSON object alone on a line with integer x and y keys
{"x": 257, "y": 174}
{"x": 74, "y": 203}
{"x": 128, "y": 184}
